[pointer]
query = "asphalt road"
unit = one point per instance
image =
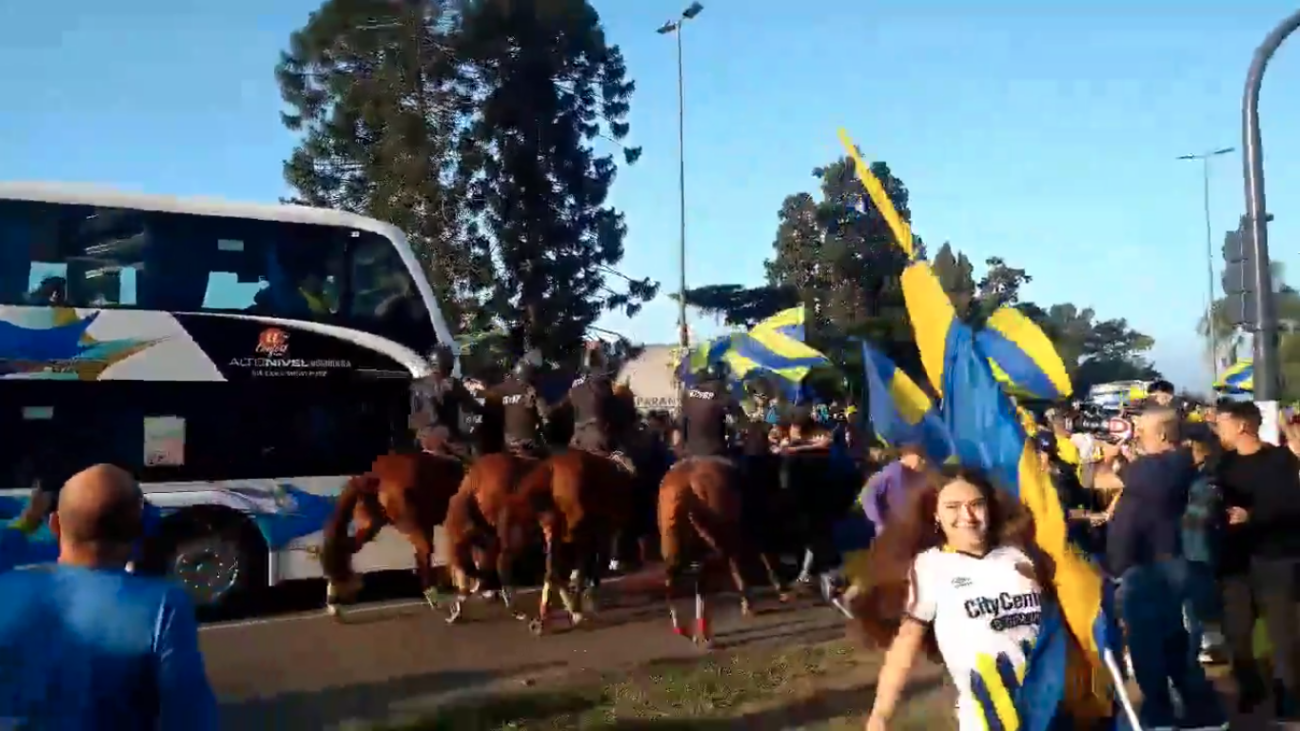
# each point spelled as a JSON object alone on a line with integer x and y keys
{"x": 393, "y": 660}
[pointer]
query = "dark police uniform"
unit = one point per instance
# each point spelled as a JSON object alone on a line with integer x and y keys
{"x": 592, "y": 397}
{"x": 703, "y": 422}
{"x": 521, "y": 411}
{"x": 437, "y": 403}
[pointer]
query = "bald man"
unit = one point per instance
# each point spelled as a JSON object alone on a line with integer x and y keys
{"x": 1144, "y": 549}
{"x": 86, "y": 645}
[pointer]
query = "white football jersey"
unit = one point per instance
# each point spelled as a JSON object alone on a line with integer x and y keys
{"x": 985, "y": 612}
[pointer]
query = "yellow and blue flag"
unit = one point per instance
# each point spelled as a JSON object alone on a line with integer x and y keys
{"x": 772, "y": 347}
{"x": 900, "y": 412}
{"x": 986, "y": 432}
{"x": 1238, "y": 378}
{"x": 1023, "y": 358}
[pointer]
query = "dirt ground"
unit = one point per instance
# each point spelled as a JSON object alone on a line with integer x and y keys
{"x": 826, "y": 685}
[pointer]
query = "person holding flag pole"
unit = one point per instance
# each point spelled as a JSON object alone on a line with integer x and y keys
{"x": 1070, "y": 677}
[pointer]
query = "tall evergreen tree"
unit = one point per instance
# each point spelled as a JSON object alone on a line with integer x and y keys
{"x": 377, "y": 91}
{"x": 546, "y": 85}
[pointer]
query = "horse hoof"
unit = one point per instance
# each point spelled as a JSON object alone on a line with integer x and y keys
{"x": 520, "y": 616}
{"x": 785, "y": 597}
{"x": 577, "y": 618}
{"x": 536, "y": 627}
{"x": 704, "y": 643}
{"x": 333, "y": 610}
{"x": 681, "y": 632}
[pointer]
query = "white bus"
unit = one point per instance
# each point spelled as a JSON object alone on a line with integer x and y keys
{"x": 1113, "y": 396}
{"x": 242, "y": 360}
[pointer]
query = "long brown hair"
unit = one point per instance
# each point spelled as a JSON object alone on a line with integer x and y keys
{"x": 881, "y": 605}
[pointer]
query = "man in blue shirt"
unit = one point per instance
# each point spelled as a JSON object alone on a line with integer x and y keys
{"x": 84, "y": 645}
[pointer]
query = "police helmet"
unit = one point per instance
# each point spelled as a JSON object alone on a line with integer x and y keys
{"x": 528, "y": 364}
{"x": 719, "y": 370}
{"x": 442, "y": 359}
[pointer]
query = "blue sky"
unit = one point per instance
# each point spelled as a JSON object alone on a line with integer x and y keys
{"x": 1044, "y": 133}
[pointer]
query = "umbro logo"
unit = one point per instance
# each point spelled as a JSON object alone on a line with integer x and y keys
{"x": 961, "y": 582}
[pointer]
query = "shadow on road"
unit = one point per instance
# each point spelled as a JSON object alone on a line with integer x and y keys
{"x": 395, "y": 700}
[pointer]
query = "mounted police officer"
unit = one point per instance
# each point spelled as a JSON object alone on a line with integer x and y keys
{"x": 594, "y": 408}
{"x": 437, "y": 402}
{"x": 522, "y": 408}
{"x": 702, "y": 425}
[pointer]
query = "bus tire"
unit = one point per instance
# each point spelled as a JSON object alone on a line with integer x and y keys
{"x": 218, "y": 556}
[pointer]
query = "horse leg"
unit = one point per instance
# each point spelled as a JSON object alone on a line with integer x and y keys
{"x": 571, "y": 593}
{"x": 550, "y": 578}
{"x": 346, "y": 590}
{"x": 783, "y": 594}
{"x": 673, "y": 570}
{"x": 505, "y": 572}
{"x": 422, "y": 542}
{"x": 742, "y": 587}
{"x": 703, "y": 629}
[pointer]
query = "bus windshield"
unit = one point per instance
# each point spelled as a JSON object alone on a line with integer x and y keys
{"x": 59, "y": 254}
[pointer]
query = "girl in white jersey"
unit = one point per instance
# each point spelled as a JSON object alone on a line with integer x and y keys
{"x": 955, "y": 577}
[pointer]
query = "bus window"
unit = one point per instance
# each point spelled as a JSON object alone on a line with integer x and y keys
{"x": 69, "y": 256}
{"x": 384, "y": 297}
{"x": 270, "y": 268}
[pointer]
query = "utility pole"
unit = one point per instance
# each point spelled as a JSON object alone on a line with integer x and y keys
{"x": 1211, "y": 326}
{"x": 674, "y": 27}
{"x": 1267, "y": 376}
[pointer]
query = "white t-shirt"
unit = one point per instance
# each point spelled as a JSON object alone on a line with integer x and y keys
{"x": 985, "y": 613}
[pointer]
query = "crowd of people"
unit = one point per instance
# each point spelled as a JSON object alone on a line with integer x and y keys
{"x": 1195, "y": 519}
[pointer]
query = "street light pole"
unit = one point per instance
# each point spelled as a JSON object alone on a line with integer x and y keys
{"x": 675, "y": 27}
{"x": 1212, "y": 330}
{"x": 1266, "y": 377}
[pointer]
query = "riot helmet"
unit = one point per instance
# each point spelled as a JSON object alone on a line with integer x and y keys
{"x": 719, "y": 370}
{"x": 442, "y": 360}
{"x": 527, "y": 366}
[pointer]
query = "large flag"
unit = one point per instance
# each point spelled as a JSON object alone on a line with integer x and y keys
{"x": 773, "y": 347}
{"x": 986, "y": 432}
{"x": 1023, "y": 358}
{"x": 901, "y": 413}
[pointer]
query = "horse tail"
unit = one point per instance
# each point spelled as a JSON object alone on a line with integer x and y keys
{"x": 703, "y": 520}
{"x": 335, "y": 556}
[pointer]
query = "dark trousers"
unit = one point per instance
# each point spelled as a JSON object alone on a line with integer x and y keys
{"x": 1268, "y": 589}
{"x": 1151, "y": 598}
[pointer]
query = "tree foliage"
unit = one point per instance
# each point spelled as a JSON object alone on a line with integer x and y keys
{"x": 835, "y": 254}
{"x": 473, "y": 125}
{"x": 1094, "y": 351}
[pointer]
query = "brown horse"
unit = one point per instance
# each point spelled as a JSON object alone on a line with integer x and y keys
{"x": 483, "y": 516}
{"x": 411, "y": 492}
{"x": 700, "y": 512}
{"x": 581, "y": 500}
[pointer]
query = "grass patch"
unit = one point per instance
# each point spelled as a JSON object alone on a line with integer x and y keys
{"x": 824, "y": 686}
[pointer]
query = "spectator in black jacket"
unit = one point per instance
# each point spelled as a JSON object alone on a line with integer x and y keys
{"x": 1261, "y": 554}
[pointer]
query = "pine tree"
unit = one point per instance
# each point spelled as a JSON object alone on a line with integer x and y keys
{"x": 547, "y": 87}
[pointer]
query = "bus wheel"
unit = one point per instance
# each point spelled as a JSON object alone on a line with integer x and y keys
{"x": 215, "y": 558}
